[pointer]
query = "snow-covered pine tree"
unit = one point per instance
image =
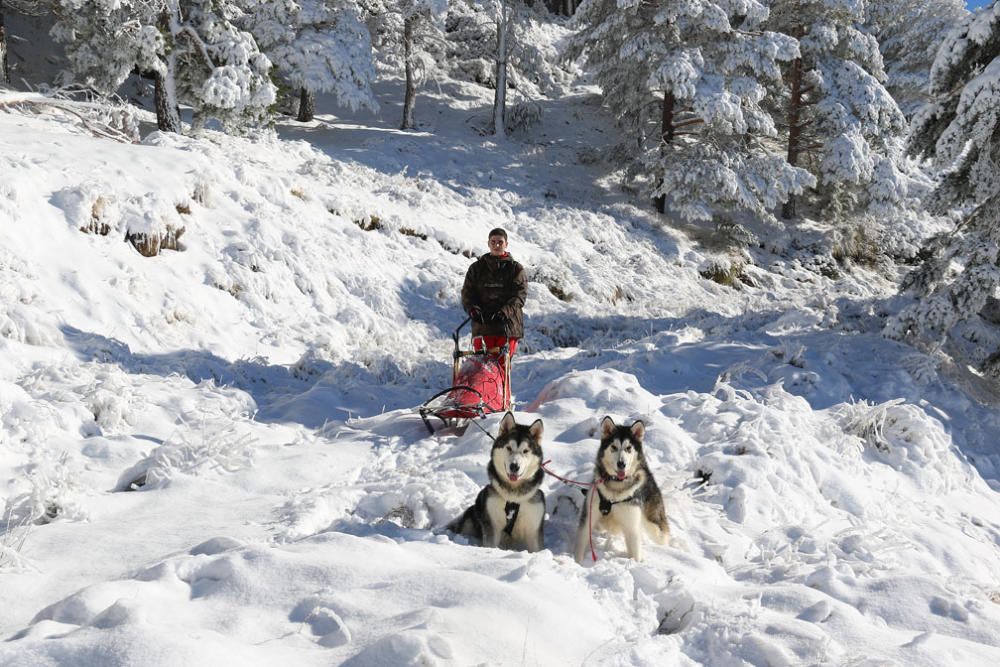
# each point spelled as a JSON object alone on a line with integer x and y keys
{"x": 960, "y": 130}
{"x": 841, "y": 123}
{"x": 316, "y": 46}
{"x": 909, "y": 33}
{"x": 689, "y": 78}
{"x": 195, "y": 54}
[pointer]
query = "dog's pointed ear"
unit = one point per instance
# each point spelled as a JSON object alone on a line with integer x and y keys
{"x": 638, "y": 430}
{"x": 536, "y": 429}
{"x": 607, "y": 427}
{"x": 506, "y": 424}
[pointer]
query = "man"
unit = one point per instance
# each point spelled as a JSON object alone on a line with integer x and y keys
{"x": 493, "y": 296}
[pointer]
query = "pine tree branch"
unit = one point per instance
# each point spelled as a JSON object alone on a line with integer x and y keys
{"x": 196, "y": 40}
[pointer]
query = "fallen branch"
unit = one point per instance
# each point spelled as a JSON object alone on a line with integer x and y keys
{"x": 98, "y": 128}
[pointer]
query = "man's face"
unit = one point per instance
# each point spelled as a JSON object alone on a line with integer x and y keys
{"x": 498, "y": 245}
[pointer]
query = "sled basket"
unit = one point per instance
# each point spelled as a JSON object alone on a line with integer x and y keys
{"x": 480, "y": 386}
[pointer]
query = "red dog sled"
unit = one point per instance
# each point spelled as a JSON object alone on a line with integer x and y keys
{"x": 480, "y": 385}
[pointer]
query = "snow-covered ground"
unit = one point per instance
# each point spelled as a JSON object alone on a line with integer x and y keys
{"x": 833, "y": 495}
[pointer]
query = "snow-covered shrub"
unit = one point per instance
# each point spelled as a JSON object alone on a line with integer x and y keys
{"x": 203, "y": 190}
{"x": 905, "y": 437}
{"x": 858, "y": 243}
{"x": 20, "y": 321}
{"x": 152, "y": 224}
{"x": 26, "y": 325}
{"x": 726, "y": 271}
{"x": 867, "y": 421}
{"x": 208, "y": 449}
{"x": 14, "y": 532}
{"x": 91, "y": 207}
{"x": 559, "y": 282}
{"x": 523, "y": 116}
{"x": 55, "y": 493}
{"x": 111, "y": 400}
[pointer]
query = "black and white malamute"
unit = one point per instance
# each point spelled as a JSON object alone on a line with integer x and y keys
{"x": 628, "y": 499}
{"x": 509, "y": 511}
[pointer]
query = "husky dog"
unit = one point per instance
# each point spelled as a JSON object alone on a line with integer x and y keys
{"x": 628, "y": 498}
{"x": 509, "y": 510}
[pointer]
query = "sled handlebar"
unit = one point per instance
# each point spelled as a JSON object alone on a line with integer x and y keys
{"x": 455, "y": 335}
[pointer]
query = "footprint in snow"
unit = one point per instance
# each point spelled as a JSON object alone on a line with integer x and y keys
{"x": 325, "y": 624}
{"x": 949, "y": 609}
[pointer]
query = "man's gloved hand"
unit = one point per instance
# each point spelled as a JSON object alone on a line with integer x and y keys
{"x": 498, "y": 317}
{"x": 476, "y": 314}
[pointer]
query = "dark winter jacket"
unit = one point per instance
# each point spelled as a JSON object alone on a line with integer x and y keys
{"x": 496, "y": 285}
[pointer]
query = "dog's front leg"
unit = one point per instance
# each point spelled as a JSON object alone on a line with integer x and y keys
{"x": 491, "y": 536}
{"x": 494, "y": 519}
{"x": 533, "y": 516}
{"x": 537, "y": 541}
{"x": 632, "y": 525}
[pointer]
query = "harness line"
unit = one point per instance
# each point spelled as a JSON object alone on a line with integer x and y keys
{"x": 590, "y": 512}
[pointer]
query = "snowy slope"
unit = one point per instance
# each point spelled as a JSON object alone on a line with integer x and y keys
{"x": 829, "y": 491}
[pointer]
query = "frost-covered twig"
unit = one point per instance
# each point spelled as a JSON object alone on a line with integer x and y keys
{"x": 221, "y": 449}
{"x": 12, "y": 539}
{"x": 867, "y": 421}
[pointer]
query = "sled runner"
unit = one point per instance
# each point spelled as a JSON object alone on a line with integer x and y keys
{"x": 480, "y": 385}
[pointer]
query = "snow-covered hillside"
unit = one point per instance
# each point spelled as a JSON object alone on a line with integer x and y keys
{"x": 833, "y": 499}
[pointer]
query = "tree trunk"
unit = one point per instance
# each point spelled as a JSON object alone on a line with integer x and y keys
{"x": 794, "y": 128}
{"x": 410, "y": 96}
{"x": 307, "y": 106}
{"x": 168, "y": 115}
{"x": 666, "y": 137}
{"x": 292, "y": 102}
{"x": 4, "y": 73}
{"x": 500, "y": 97}
{"x": 168, "y": 118}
